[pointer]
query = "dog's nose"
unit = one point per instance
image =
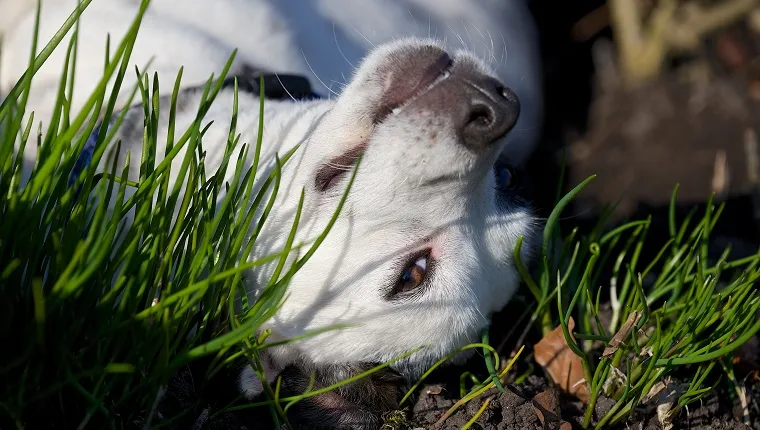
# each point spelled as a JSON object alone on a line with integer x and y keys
{"x": 491, "y": 110}
{"x": 480, "y": 108}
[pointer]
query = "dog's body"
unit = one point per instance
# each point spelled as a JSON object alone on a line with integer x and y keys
{"x": 421, "y": 254}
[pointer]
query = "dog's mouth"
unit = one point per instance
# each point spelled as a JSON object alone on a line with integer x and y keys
{"x": 392, "y": 103}
{"x": 480, "y": 109}
{"x": 398, "y": 95}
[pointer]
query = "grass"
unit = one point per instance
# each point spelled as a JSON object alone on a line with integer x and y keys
{"x": 97, "y": 314}
{"x": 675, "y": 312}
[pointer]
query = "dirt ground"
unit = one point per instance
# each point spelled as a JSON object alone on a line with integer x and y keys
{"x": 696, "y": 125}
{"x": 515, "y": 409}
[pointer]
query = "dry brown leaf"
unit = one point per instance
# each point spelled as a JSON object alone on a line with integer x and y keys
{"x": 622, "y": 334}
{"x": 546, "y": 405}
{"x": 560, "y": 362}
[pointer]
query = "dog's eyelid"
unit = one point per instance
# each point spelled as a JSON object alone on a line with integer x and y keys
{"x": 329, "y": 173}
{"x": 327, "y": 176}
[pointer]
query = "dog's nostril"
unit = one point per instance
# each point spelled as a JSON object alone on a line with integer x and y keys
{"x": 491, "y": 112}
{"x": 480, "y": 116}
{"x": 502, "y": 91}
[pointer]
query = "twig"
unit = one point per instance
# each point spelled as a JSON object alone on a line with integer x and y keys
{"x": 721, "y": 178}
{"x": 643, "y": 47}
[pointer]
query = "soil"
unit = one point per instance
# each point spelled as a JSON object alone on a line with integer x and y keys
{"x": 690, "y": 126}
{"x": 515, "y": 409}
{"x": 510, "y": 409}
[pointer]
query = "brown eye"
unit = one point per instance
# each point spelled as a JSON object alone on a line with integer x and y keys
{"x": 413, "y": 275}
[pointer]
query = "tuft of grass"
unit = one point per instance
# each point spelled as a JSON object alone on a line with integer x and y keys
{"x": 97, "y": 312}
{"x": 397, "y": 420}
{"x": 675, "y": 311}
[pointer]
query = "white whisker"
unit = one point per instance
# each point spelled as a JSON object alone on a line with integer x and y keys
{"x": 339, "y": 166}
{"x": 493, "y": 49}
{"x": 315, "y": 74}
{"x": 469, "y": 36}
{"x": 461, "y": 41}
{"x": 505, "y": 47}
{"x": 335, "y": 38}
{"x": 485, "y": 44}
{"x": 364, "y": 37}
{"x": 277, "y": 75}
{"x": 416, "y": 25}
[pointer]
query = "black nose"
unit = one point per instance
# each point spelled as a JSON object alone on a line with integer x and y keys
{"x": 492, "y": 110}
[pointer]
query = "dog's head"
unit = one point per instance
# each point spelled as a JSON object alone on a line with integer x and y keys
{"x": 421, "y": 252}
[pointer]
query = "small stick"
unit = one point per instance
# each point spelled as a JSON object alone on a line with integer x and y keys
{"x": 622, "y": 334}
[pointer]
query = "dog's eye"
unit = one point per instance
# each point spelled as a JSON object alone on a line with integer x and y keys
{"x": 413, "y": 275}
{"x": 505, "y": 178}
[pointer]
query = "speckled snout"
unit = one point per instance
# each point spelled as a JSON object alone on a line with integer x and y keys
{"x": 481, "y": 108}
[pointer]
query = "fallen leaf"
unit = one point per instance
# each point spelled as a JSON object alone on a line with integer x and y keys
{"x": 656, "y": 390}
{"x": 560, "y": 362}
{"x": 664, "y": 416}
{"x": 546, "y": 405}
{"x": 665, "y": 397}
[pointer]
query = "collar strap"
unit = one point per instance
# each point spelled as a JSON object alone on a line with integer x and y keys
{"x": 276, "y": 86}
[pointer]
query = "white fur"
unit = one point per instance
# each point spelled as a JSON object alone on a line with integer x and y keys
{"x": 388, "y": 213}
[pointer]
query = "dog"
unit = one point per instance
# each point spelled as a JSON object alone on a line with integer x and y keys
{"x": 438, "y": 97}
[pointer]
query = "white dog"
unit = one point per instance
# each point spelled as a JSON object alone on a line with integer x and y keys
{"x": 421, "y": 253}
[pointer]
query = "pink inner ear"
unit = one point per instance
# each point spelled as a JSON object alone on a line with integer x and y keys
{"x": 408, "y": 73}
